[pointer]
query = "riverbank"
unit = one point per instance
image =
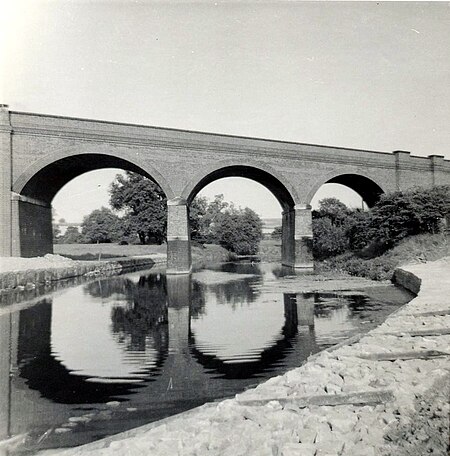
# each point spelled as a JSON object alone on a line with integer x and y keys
{"x": 384, "y": 394}
{"x": 22, "y": 274}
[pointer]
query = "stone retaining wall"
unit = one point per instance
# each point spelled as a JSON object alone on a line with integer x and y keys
{"x": 384, "y": 394}
{"x": 31, "y": 278}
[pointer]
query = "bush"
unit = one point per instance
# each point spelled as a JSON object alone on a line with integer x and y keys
{"x": 238, "y": 230}
{"x": 329, "y": 239}
{"x": 102, "y": 226}
{"x": 71, "y": 236}
{"x": 401, "y": 214}
{"x": 277, "y": 233}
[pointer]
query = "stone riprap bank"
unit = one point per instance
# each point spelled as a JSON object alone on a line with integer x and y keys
{"x": 386, "y": 394}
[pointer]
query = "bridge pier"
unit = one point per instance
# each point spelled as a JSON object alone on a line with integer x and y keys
{"x": 305, "y": 310}
{"x": 178, "y": 300}
{"x": 178, "y": 239}
{"x": 296, "y": 248}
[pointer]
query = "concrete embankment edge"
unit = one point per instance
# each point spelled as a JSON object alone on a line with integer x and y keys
{"x": 29, "y": 278}
{"x": 384, "y": 394}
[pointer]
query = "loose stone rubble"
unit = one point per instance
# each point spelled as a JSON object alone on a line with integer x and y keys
{"x": 347, "y": 401}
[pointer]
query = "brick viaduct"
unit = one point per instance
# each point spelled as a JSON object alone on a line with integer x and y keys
{"x": 39, "y": 154}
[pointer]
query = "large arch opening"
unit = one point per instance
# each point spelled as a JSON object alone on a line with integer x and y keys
{"x": 268, "y": 180}
{"x": 369, "y": 190}
{"x": 341, "y": 213}
{"x": 270, "y": 190}
{"x": 35, "y": 190}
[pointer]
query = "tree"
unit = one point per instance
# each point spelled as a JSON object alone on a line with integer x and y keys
{"x": 197, "y": 212}
{"x": 205, "y": 216}
{"x": 401, "y": 214}
{"x": 277, "y": 233}
{"x": 145, "y": 206}
{"x": 56, "y": 232}
{"x": 330, "y": 225}
{"x": 329, "y": 239}
{"x": 71, "y": 236}
{"x": 238, "y": 230}
{"x": 101, "y": 225}
{"x": 334, "y": 210}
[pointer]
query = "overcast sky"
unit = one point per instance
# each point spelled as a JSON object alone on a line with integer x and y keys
{"x": 365, "y": 75}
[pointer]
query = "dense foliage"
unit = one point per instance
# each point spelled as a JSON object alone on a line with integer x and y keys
{"x": 367, "y": 235}
{"x": 330, "y": 225}
{"x": 277, "y": 233}
{"x": 145, "y": 207}
{"x": 101, "y": 225}
{"x": 238, "y": 230}
{"x": 71, "y": 236}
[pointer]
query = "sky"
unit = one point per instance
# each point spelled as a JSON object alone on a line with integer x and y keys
{"x": 366, "y": 75}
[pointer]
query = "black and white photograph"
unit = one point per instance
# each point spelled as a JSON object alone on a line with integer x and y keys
{"x": 224, "y": 228}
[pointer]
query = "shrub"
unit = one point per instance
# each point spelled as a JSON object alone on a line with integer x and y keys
{"x": 238, "y": 230}
{"x": 276, "y": 233}
{"x": 329, "y": 239}
{"x": 101, "y": 225}
{"x": 401, "y": 214}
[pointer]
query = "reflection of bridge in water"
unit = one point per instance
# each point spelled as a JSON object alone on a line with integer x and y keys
{"x": 41, "y": 386}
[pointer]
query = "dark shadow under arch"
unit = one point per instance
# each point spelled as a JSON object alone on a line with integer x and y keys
{"x": 369, "y": 191}
{"x": 46, "y": 182}
{"x": 265, "y": 178}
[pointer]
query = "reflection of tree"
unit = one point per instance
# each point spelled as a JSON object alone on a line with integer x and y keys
{"x": 236, "y": 292}
{"x": 144, "y": 313}
{"x": 43, "y": 372}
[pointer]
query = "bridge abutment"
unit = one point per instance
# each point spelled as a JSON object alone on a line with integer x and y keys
{"x": 32, "y": 232}
{"x": 178, "y": 239}
{"x": 5, "y": 181}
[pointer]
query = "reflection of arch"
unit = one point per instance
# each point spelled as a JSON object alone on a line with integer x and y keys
{"x": 45, "y": 177}
{"x": 265, "y": 175}
{"x": 269, "y": 357}
{"x": 367, "y": 186}
{"x": 43, "y": 372}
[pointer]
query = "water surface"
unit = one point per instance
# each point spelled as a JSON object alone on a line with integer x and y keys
{"x": 119, "y": 352}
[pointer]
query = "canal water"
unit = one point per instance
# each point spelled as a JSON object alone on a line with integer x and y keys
{"x": 115, "y": 353}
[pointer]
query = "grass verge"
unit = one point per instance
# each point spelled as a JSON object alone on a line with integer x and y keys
{"x": 420, "y": 248}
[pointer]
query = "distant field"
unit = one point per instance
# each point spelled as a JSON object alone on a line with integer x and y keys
{"x": 92, "y": 251}
{"x": 270, "y": 250}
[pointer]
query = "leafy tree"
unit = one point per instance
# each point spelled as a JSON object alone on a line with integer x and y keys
{"x": 401, "y": 214}
{"x": 145, "y": 206}
{"x": 56, "y": 232}
{"x": 334, "y": 210}
{"x": 101, "y": 225}
{"x": 197, "y": 213}
{"x": 204, "y": 218}
{"x": 238, "y": 230}
{"x": 277, "y": 233}
{"x": 71, "y": 236}
{"x": 329, "y": 239}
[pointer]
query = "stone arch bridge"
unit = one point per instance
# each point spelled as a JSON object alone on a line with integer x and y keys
{"x": 39, "y": 154}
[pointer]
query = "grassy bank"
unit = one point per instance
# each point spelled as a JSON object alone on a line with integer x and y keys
{"x": 93, "y": 252}
{"x": 420, "y": 248}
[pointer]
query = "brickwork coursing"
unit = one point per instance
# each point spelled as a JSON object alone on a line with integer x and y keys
{"x": 35, "y": 155}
